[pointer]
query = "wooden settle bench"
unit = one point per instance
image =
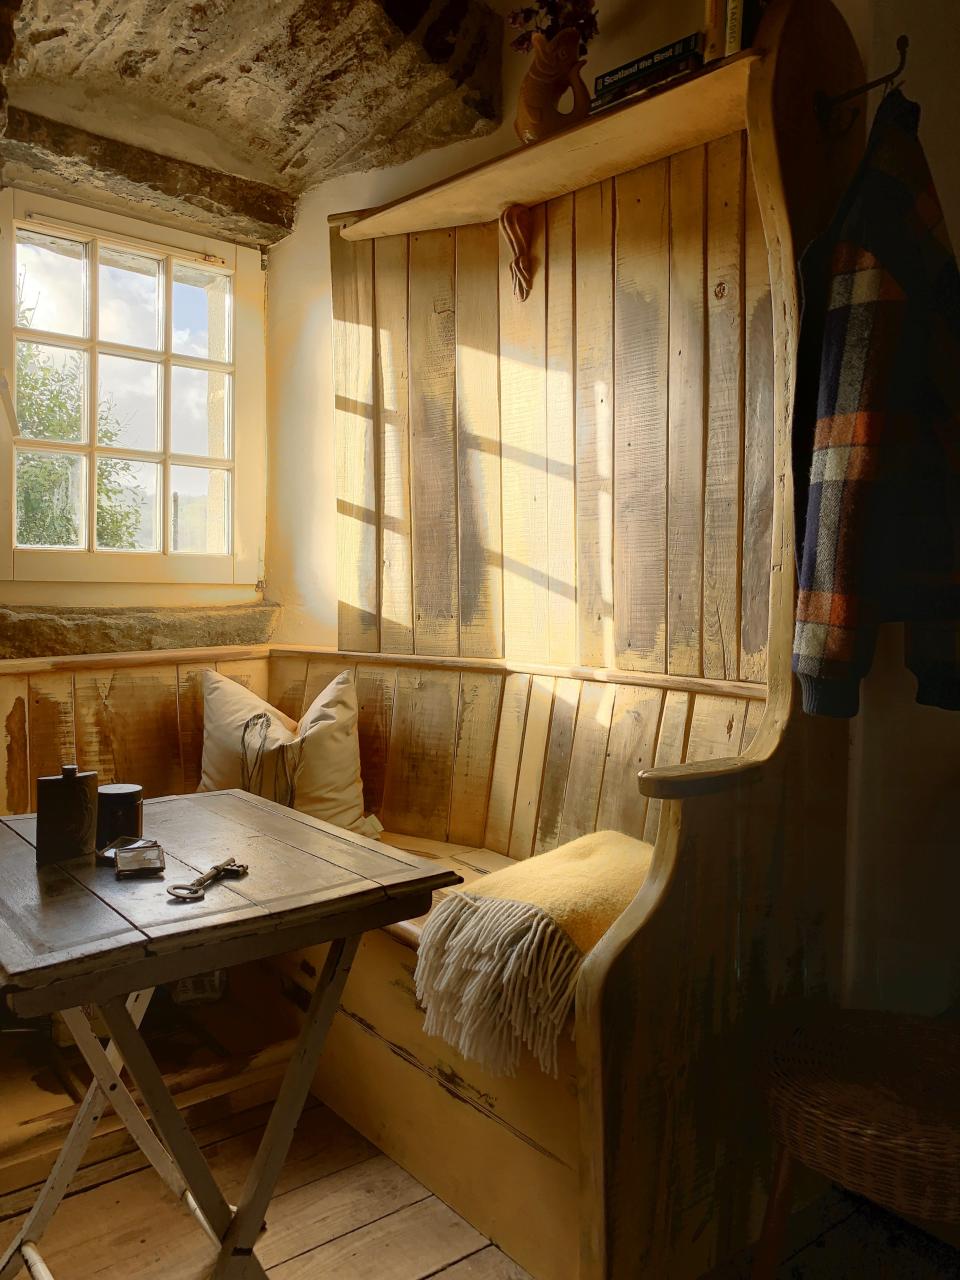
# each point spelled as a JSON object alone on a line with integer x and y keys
{"x": 565, "y": 552}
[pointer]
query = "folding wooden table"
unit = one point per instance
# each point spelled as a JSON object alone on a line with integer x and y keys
{"x": 74, "y": 935}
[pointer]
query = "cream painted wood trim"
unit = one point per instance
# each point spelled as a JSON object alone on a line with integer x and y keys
{"x": 245, "y": 563}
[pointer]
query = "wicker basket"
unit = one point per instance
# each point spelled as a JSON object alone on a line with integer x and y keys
{"x": 872, "y": 1101}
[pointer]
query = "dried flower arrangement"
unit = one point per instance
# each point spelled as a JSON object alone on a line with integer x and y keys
{"x": 549, "y": 18}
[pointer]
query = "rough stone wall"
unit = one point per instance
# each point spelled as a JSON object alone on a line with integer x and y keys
{"x": 284, "y": 95}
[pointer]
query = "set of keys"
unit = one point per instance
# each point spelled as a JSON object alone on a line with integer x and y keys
{"x": 196, "y": 889}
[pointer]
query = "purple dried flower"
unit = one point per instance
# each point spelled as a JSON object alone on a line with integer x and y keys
{"x": 550, "y": 17}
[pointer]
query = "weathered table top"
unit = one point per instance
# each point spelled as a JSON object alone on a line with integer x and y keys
{"x": 73, "y": 933}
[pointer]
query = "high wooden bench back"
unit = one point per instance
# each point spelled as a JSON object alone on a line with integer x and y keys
{"x": 565, "y": 558}
{"x": 134, "y": 717}
{"x": 517, "y": 761}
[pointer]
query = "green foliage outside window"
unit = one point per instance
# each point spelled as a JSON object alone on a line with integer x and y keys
{"x": 50, "y": 403}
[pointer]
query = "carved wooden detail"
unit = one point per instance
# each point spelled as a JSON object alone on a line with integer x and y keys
{"x": 516, "y": 223}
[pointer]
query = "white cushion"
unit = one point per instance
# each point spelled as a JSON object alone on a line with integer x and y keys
{"x": 313, "y": 766}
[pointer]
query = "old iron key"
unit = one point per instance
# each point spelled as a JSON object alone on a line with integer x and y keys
{"x": 197, "y": 889}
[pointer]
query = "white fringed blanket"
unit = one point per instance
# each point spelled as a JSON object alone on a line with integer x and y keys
{"x": 498, "y": 964}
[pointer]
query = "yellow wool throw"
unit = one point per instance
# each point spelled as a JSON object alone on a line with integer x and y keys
{"x": 498, "y": 963}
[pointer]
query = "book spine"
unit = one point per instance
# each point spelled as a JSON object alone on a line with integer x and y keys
{"x": 630, "y": 72}
{"x": 715, "y": 33}
{"x": 734, "y": 26}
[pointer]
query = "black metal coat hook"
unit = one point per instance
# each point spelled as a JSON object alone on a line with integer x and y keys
{"x": 825, "y": 106}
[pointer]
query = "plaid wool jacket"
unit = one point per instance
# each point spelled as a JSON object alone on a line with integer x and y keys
{"x": 876, "y": 430}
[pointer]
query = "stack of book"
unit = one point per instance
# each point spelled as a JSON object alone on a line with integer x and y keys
{"x": 652, "y": 68}
{"x": 730, "y": 24}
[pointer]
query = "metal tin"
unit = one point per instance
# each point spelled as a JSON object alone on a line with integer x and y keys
{"x": 66, "y": 816}
{"x": 119, "y": 812}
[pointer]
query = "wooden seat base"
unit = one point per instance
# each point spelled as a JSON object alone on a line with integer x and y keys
{"x": 466, "y": 860}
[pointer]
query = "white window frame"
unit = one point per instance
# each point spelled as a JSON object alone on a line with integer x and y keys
{"x": 243, "y": 564}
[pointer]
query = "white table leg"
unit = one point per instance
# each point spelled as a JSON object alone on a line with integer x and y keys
{"x": 68, "y": 1161}
{"x": 236, "y": 1261}
{"x": 133, "y": 1118}
{"x": 36, "y": 1266}
{"x": 171, "y": 1126}
{"x": 174, "y": 1153}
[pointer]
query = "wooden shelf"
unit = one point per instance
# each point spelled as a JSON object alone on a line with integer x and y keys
{"x": 684, "y": 113}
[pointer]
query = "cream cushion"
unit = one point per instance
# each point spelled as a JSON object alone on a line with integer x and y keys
{"x": 313, "y": 766}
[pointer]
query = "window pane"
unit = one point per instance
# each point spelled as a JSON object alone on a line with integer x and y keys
{"x": 128, "y": 410}
{"x": 51, "y": 499}
{"x": 49, "y": 283}
{"x": 201, "y": 313}
{"x": 51, "y": 392}
{"x": 200, "y": 412}
{"x": 128, "y": 495}
{"x": 129, "y": 287}
{"x": 200, "y": 509}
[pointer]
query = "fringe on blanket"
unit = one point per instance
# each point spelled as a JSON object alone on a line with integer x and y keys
{"x": 494, "y": 975}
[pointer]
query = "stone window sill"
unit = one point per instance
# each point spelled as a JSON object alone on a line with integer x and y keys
{"x": 42, "y": 631}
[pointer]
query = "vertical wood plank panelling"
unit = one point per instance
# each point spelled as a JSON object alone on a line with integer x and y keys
{"x": 631, "y": 747}
{"x": 390, "y": 262}
{"x": 506, "y": 761}
{"x": 593, "y": 218}
{"x": 642, "y": 303}
{"x": 722, "y": 497}
{"x": 416, "y": 796}
{"x": 523, "y": 429}
{"x": 50, "y": 726}
{"x": 685, "y": 469}
{"x": 14, "y": 762}
{"x": 561, "y": 440}
{"x": 433, "y": 463}
{"x": 530, "y": 773}
{"x": 252, "y": 673}
{"x": 478, "y": 441}
{"x": 671, "y": 748}
{"x": 286, "y": 681}
{"x": 357, "y": 515}
{"x": 716, "y": 727}
{"x": 758, "y": 447}
{"x": 190, "y": 713}
{"x": 126, "y": 726}
{"x": 375, "y": 695}
{"x": 557, "y": 764}
{"x": 582, "y": 800}
{"x": 321, "y": 669}
{"x": 473, "y": 759}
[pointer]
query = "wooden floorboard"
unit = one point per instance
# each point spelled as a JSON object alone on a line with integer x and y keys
{"x": 344, "y": 1210}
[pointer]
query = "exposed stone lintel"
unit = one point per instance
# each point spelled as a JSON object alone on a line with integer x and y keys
{"x": 34, "y": 631}
{"x": 236, "y": 208}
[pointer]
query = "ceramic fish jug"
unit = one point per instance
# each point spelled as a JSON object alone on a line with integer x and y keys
{"x": 554, "y": 70}
{"x": 66, "y": 816}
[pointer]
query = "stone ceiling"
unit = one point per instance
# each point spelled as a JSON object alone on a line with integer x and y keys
{"x": 228, "y": 109}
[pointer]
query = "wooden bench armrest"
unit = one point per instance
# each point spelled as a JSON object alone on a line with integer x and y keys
{"x": 698, "y": 778}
